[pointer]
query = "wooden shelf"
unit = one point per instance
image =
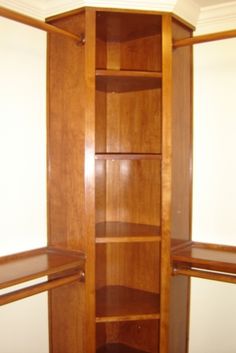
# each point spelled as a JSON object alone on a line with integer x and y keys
{"x": 118, "y": 348}
{"x": 128, "y": 156}
{"x": 119, "y": 232}
{"x": 118, "y": 303}
{"x": 65, "y": 266}
{"x": 128, "y": 74}
{"x": 210, "y": 261}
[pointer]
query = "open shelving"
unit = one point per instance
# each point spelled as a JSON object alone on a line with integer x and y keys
{"x": 115, "y": 232}
{"x": 62, "y": 267}
{"x": 128, "y": 178}
{"x": 119, "y": 303}
{"x": 210, "y": 261}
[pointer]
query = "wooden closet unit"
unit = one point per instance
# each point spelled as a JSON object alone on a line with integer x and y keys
{"x": 110, "y": 180}
{"x": 119, "y": 137}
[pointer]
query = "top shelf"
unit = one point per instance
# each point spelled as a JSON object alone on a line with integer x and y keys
{"x": 128, "y": 74}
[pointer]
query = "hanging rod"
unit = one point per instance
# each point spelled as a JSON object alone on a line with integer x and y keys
{"x": 204, "y": 38}
{"x": 33, "y": 22}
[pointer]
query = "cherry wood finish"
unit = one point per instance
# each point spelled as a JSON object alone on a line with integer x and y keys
{"x": 28, "y": 265}
{"x": 117, "y": 348}
{"x": 133, "y": 104}
{"x": 128, "y": 74}
{"x": 119, "y": 181}
{"x": 115, "y": 262}
{"x": 115, "y": 232}
{"x": 208, "y": 257}
{"x": 204, "y": 38}
{"x": 141, "y": 335}
{"x": 166, "y": 179}
{"x": 40, "y": 287}
{"x": 119, "y": 303}
{"x": 127, "y": 156}
{"x": 181, "y": 183}
{"x": 71, "y": 88}
{"x": 120, "y": 186}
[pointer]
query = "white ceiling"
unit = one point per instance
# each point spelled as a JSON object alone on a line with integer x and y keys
{"x": 196, "y": 12}
{"x": 204, "y": 3}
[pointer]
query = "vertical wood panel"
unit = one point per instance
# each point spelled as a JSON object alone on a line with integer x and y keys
{"x": 133, "y": 191}
{"x": 66, "y": 192}
{"x": 181, "y": 183}
{"x": 89, "y": 201}
{"x": 166, "y": 178}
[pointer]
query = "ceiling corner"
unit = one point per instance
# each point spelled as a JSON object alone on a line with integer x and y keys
{"x": 220, "y": 17}
{"x": 33, "y": 8}
{"x": 188, "y": 10}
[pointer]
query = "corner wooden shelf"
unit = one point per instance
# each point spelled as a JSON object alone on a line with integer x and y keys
{"x": 119, "y": 232}
{"x": 65, "y": 267}
{"x": 117, "y": 348}
{"x": 128, "y": 74}
{"x": 203, "y": 260}
{"x": 119, "y": 303}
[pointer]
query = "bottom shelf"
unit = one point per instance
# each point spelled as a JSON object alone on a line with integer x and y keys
{"x": 118, "y": 348}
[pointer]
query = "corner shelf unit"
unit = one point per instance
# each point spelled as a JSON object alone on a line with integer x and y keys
{"x": 119, "y": 186}
{"x": 60, "y": 265}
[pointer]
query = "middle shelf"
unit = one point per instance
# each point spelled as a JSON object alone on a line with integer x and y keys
{"x": 122, "y": 232}
{"x": 120, "y": 303}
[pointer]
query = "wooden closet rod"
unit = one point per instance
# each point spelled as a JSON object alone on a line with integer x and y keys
{"x": 30, "y": 21}
{"x": 204, "y": 38}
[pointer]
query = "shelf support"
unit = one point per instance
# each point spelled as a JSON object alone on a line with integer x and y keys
{"x": 210, "y": 275}
{"x": 39, "y": 288}
{"x": 204, "y": 38}
{"x": 33, "y": 22}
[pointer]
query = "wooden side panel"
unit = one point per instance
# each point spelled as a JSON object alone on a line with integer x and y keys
{"x": 66, "y": 328}
{"x": 166, "y": 179}
{"x": 66, "y": 137}
{"x": 181, "y": 183}
{"x": 71, "y": 111}
{"x": 182, "y": 137}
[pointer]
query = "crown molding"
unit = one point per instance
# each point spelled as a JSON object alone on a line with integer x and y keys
{"x": 186, "y": 9}
{"x": 220, "y": 17}
{"x": 207, "y": 19}
{"x": 34, "y": 8}
{"x": 55, "y": 6}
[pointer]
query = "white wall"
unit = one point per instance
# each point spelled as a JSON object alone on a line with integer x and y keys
{"x": 213, "y": 309}
{"x": 23, "y": 324}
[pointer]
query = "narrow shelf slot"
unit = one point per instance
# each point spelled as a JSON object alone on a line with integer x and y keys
{"x": 127, "y": 156}
{"x": 121, "y": 232}
{"x": 118, "y": 348}
{"x": 119, "y": 303}
{"x": 128, "y": 74}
